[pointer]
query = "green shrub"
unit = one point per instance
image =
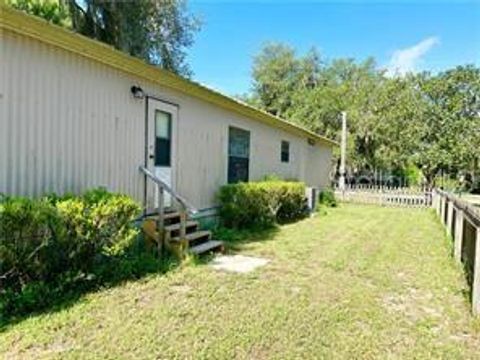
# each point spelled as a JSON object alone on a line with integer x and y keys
{"x": 261, "y": 204}
{"x": 103, "y": 225}
{"x": 413, "y": 175}
{"x": 327, "y": 198}
{"x": 57, "y": 242}
{"x": 31, "y": 231}
{"x": 97, "y": 195}
{"x": 293, "y": 204}
{"x": 272, "y": 177}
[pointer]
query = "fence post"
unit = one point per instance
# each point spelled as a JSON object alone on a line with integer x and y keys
{"x": 476, "y": 276}
{"x": 444, "y": 204}
{"x": 439, "y": 204}
{"x": 458, "y": 236}
{"x": 434, "y": 199}
{"x": 450, "y": 217}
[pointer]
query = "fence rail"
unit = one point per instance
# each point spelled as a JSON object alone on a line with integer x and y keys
{"x": 386, "y": 196}
{"x": 385, "y": 188}
{"x": 462, "y": 222}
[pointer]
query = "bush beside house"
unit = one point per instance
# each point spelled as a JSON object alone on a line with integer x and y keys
{"x": 53, "y": 245}
{"x": 327, "y": 198}
{"x": 262, "y": 204}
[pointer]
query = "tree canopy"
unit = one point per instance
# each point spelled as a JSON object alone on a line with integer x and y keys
{"x": 160, "y": 31}
{"x": 426, "y": 121}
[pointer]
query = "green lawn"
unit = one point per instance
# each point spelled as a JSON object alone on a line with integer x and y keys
{"x": 358, "y": 282}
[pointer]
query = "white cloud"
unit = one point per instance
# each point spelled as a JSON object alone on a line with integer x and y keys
{"x": 406, "y": 60}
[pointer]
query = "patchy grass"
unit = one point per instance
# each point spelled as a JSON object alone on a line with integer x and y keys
{"x": 358, "y": 282}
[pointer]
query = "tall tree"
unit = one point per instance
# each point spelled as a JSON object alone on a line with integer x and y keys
{"x": 428, "y": 121}
{"x": 450, "y": 128}
{"x": 158, "y": 31}
{"x": 51, "y": 10}
{"x": 278, "y": 75}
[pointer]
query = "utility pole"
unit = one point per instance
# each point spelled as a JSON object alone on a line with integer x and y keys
{"x": 341, "y": 182}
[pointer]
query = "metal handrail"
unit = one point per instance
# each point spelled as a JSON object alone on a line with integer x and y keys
{"x": 185, "y": 204}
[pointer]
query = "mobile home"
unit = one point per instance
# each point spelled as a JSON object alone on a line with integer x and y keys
{"x": 77, "y": 114}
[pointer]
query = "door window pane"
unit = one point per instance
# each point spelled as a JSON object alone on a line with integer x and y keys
{"x": 163, "y": 133}
{"x": 238, "y": 155}
{"x": 162, "y": 124}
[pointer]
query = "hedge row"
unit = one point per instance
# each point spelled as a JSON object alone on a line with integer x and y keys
{"x": 262, "y": 204}
{"x": 45, "y": 241}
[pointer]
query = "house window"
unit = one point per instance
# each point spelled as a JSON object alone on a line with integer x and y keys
{"x": 285, "y": 151}
{"x": 163, "y": 135}
{"x": 238, "y": 155}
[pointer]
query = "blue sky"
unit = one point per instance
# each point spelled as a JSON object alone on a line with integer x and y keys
{"x": 401, "y": 35}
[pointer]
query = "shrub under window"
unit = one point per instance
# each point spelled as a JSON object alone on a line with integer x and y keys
{"x": 262, "y": 204}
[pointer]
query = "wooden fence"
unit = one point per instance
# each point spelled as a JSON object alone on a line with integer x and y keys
{"x": 462, "y": 222}
{"x": 386, "y": 196}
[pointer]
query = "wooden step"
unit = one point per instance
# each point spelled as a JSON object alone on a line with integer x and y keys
{"x": 193, "y": 236}
{"x": 150, "y": 227}
{"x": 168, "y": 218}
{"x": 167, "y": 213}
{"x": 171, "y": 215}
{"x": 210, "y": 245}
{"x": 176, "y": 226}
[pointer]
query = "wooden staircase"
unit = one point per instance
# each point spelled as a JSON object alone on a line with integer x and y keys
{"x": 195, "y": 241}
{"x": 172, "y": 229}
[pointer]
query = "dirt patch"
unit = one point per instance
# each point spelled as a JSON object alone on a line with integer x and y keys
{"x": 413, "y": 304}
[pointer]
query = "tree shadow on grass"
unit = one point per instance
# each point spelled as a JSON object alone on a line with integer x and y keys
{"x": 48, "y": 298}
{"x": 236, "y": 239}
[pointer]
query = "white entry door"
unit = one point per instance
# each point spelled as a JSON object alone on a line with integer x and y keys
{"x": 162, "y": 131}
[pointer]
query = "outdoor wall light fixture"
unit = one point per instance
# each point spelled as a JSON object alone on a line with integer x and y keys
{"x": 137, "y": 92}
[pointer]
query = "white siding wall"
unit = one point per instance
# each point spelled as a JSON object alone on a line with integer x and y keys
{"x": 68, "y": 123}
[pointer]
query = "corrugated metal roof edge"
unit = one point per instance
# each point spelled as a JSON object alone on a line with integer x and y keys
{"x": 39, "y": 29}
